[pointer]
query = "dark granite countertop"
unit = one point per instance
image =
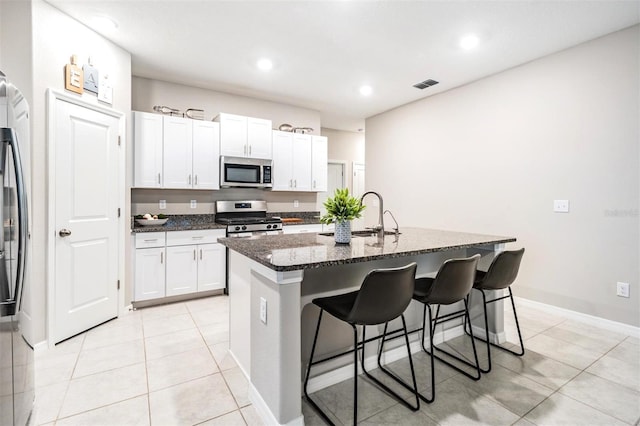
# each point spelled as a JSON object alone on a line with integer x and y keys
{"x": 181, "y": 223}
{"x": 313, "y": 250}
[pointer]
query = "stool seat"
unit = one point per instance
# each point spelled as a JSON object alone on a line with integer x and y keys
{"x": 339, "y": 306}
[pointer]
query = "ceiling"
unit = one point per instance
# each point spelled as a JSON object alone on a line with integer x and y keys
{"x": 323, "y": 51}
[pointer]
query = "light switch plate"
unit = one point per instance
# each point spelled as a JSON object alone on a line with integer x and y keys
{"x": 193, "y": 204}
{"x": 561, "y": 206}
{"x": 162, "y": 204}
{"x": 296, "y": 203}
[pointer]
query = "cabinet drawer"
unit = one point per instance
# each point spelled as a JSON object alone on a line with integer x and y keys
{"x": 150, "y": 239}
{"x": 205, "y": 236}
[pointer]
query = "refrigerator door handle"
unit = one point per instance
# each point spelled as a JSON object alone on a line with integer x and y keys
{"x": 9, "y": 136}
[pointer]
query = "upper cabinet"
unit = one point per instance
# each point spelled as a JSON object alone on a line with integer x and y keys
{"x": 299, "y": 162}
{"x": 242, "y": 136}
{"x": 175, "y": 152}
{"x": 148, "y": 150}
{"x": 319, "y": 159}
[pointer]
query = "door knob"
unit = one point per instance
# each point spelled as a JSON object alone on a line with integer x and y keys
{"x": 64, "y": 233}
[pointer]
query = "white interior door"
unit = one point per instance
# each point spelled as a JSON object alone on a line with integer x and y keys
{"x": 358, "y": 190}
{"x": 86, "y": 219}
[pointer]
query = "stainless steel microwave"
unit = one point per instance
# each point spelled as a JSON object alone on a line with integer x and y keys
{"x": 245, "y": 172}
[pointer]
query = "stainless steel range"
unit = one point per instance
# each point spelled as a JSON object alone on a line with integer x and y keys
{"x": 246, "y": 218}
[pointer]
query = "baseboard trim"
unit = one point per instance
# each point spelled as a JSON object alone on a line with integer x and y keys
{"x": 610, "y": 325}
{"x": 265, "y": 413}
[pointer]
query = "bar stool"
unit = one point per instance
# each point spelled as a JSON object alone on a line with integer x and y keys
{"x": 383, "y": 297}
{"x": 452, "y": 284}
{"x": 501, "y": 274}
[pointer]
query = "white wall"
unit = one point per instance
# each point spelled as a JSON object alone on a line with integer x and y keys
{"x": 147, "y": 93}
{"x": 55, "y": 38}
{"x": 491, "y": 157}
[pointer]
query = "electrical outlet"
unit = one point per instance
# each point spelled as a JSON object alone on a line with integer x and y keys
{"x": 561, "y": 206}
{"x": 622, "y": 289}
{"x": 162, "y": 204}
{"x": 193, "y": 204}
{"x": 296, "y": 203}
{"x": 263, "y": 310}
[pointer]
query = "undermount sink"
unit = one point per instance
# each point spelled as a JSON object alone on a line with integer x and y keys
{"x": 363, "y": 233}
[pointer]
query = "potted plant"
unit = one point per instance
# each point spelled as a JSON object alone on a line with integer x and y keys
{"x": 341, "y": 210}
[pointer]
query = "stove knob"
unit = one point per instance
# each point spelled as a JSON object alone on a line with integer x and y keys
{"x": 244, "y": 227}
{"x": 268, "y": 226}
{"x": 237, "y": 228}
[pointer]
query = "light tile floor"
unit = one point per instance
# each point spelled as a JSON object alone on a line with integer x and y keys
{"x": 169, "y": 365}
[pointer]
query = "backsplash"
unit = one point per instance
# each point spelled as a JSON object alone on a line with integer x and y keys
{"x": 178, "y": 201}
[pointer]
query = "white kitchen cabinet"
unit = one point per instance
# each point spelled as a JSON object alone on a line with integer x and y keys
{"x": 206, "y": 155}
{"x": 212, "y": 260}
{"x": 178, "y": 262}
{"x": 147, "y": 130}
{"x": 291, "y": 161}
{"x": 150, "y": 266}
{"x": 182, "y": 270}
{"x": 175, "y": 152}
{"x": 150, "y": 274}
{"x": 242, "y": 136}
{"x": 259, "y": 141}
{"x": 319, "y": 160}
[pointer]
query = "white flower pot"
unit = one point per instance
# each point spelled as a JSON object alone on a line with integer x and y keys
{"x": 342, "y": 232}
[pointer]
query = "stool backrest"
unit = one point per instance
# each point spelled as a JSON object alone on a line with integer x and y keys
{"x": 454, "y": 280}
{"x": 503, "y": 270}
{"x": 384, "y": 295}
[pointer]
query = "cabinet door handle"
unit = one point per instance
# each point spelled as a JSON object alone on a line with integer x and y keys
{"x": 290, "y": 183}
{"x": 159, "y": 179}
{"x": 295, "y": 183}
{"x": 194, "y": 254}
{"x": 314, "y": 184}
{"x": 189, "y": 179}
{"x": 152, "y": 240}
{"x": 244, "y": 150}
{"x": 200, "y": 254}
{"x": 161, "y": 257}
{"x": 196, "y": 181}
{"x": 249, "y": 149}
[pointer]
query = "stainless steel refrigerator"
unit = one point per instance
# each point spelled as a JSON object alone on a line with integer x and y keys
{"x": 16, "y": 354}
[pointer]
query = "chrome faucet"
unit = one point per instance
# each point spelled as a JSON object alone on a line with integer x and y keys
{"x": 379, "y": 228}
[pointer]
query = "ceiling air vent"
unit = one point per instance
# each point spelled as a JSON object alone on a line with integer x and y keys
{"x": 425, "y": 84}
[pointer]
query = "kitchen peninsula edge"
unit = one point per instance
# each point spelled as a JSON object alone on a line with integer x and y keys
{"x": 280, "y": 275}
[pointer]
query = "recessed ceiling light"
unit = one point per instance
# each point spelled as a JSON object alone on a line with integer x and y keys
{"x": 366, "y": 90}
{"x": 469, "y": 41}
{"x": 265, "y": 64}
{"x": 103, "y": 24}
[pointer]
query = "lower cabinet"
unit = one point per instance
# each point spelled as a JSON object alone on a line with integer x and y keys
{"x": 180, "y": 262}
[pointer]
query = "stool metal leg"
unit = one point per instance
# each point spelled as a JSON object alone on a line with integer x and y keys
{"x": 486, "y": 328}
{"x": 429, "y": 352}
{"x": 355, "y": 371}
{"x": 415, "y": 407}
{"x": 306, "y": 380}
{"x": 463, "y": 313}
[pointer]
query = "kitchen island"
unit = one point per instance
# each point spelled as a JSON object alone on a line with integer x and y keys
{"x": 274, "y": 278}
